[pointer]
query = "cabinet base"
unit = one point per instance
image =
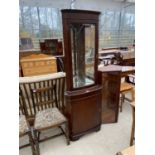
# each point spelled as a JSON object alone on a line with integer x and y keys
{"x": 77, "y": 136}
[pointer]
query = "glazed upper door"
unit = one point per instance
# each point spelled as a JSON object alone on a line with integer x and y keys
{"x": 82, "y": 37}
{"x": 80, "y": 32}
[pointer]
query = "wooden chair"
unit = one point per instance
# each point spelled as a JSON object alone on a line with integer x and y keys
{"x": 47, "y": 113}
{"x": 25, "y": 129}
{"x": 125, "y": 88}
{"x": 35, "y": 82}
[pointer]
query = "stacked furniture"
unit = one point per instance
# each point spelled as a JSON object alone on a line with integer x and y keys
{"x": 128, "y": 56}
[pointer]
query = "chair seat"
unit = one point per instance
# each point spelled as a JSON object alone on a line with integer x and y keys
{"x": 23, "y": 126}
{"x": 47, "y": 118}
{"x": 126, "y": 86}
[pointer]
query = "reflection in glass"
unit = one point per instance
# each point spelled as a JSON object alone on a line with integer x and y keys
{"x": 83, "y": 54}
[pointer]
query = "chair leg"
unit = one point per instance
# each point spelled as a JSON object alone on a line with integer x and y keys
{"x": 36, "y": 141}
{"x": 133, "y": 127}
{"x": 38, "y": 136}
{"x": 122, "y": 99}
{"x": 67, "y": 133}
{"x": 121, "y": 102}
{"x": 31, "y": 143}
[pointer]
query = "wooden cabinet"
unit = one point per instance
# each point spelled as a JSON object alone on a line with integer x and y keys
{"x": 51, "y": 46}
{"x": 38, "y": 64}
{"x": 83, "y": 95}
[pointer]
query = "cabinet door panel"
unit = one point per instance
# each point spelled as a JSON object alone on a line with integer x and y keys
{"x": 86, "y": 113}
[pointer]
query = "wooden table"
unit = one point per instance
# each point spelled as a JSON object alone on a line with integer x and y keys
{"x": 110, "y": 78}
{"x": 124, "y": 70}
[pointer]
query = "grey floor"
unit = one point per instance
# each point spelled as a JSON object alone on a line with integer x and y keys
{"x": 109, "y": 140}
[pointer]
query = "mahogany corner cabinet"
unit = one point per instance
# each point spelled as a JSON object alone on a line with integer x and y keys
{"x": 84, "y": 93}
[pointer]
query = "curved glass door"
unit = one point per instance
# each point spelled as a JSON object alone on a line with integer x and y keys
{"x": 83, "y": 54}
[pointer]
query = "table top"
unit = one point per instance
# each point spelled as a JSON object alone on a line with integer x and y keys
{"x": 112, "y": 68}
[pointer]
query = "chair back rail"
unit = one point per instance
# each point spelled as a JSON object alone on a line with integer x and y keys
{"x": 44, "y": 98}
{"x": 55, "y": 81}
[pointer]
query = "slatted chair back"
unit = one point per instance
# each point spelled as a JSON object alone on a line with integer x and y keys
{"x": 44, "y": 98}
{"x": 22, "y": 105}
{"x": 55, "y": 81}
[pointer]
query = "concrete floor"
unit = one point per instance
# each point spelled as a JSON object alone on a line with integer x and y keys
{"x": 108, "y": 141}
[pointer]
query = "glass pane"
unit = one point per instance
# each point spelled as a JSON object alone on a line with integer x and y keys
{"x": 35, "y": 18}
{"x": 83, "y": 54}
